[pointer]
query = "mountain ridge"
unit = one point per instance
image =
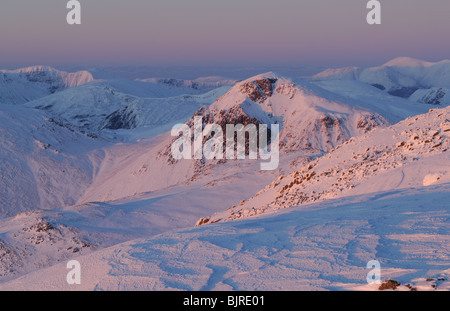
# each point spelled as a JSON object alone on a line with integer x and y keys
{"x": 399, "y": 77}
{"x": 414, "y": 146}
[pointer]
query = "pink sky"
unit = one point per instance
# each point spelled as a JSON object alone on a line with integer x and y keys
{"x": 221, "y": 32}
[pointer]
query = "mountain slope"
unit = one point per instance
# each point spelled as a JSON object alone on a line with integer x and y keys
{"x": 325, "y": 246}
{"x": 351, "y": 189}
{"x": 310, "y": 124}
{"x": 29, "y": 241}
{"x": 204, "y": 83}
{"x": 44, "y": 163}
{"x": 400, "y": 77}
{"x": 412, "y": 153}
{"x": 26, "y": 84}
{"x": 309, "y": 118}
{"x": 97, "y": 106}
{"x": 434, "y": 96}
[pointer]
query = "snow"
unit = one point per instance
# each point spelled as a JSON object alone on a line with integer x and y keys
{"x": 202, "y": 83}
{"x": 431, "y": 179}
{"x": 44, "y": 163}
{"x": 311, "y": 124}
{"x": 363, "y": 95}
{"x": 409, "y": 62}
{"x": 319, "y": 247}
{"x": 48, "y": 73}
{"x": 22, "y": 85}
{"x": 401, "y": 156}
{"x": 92, "y": 107}
{"x": 432, "y": 96}
{"x": 310, "y": 117}
{"x": 400, "y": 77}
{"x": 86, "y": 174}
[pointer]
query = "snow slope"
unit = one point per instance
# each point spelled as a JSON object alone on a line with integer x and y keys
{"x": 97, "y": 106}
{"x": 203, "y": 83}
{"x": 323, "y": 246}
{"x": 400, "y": 77}
{"x": 80, "y": 229}
{"x": 412, "y": 153}
{"x": 434, "y": 96}
{"x": 45, "y": 74}
{"x": 382, "y": 196}
{"x": 310, "y": 124}
{"x": 26, "y": 84}
{"x": 351, "y": 189}
{"x": 367, "y": 97}
{"x": 309, "y": 117}
{"x": 29, "y": 242}
{"x": 44, "y": 163}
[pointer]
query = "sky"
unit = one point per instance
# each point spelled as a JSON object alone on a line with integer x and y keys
{"x": 221, "y": 33}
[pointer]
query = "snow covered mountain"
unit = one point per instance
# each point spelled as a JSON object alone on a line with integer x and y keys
{"x": 324, "y": 246}
{"x": 29, "y": 242}
{"x": 97, "y": 107}
{"x": 26, "y": 84}
{"x": 310, "y": 118}
{"x": 310, "y": 124}
{"x": 44, "y": 163}
{"x": 313, "y": 121}
{"x": 434, "y": 96}
{"x": 203, "y": 83}
{"x": 412, "y": 153}
{"x": 86, "y": 172}
{"x": 399, "y": 77}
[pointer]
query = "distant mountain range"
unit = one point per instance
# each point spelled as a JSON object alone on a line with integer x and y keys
{"x": 401, "y": 76}
{"x": 23, "y": 85}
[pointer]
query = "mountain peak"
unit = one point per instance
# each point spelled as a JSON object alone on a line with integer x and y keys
{"x": 407, "y": 62}
{"x": 256, "y": 89}
{"x": 259, "y": 88}
{"x": 266, "y": 75}
{"x": 30, "y": 69}
{"x": 49, "y": 74}
{"x": 404, "y": 152}
{"x": 334, "y": 71}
